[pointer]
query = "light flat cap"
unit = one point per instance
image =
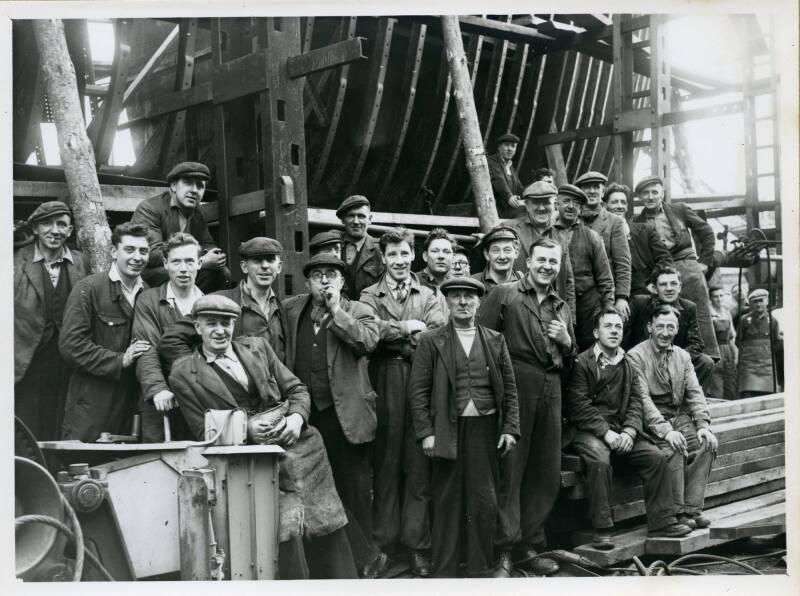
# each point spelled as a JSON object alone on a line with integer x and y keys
{"x": 463, "y": 283}
{"x": 189, "y": 169}
{"x": 589, "y": 177}
{"x": 571, "y": 190}
{"x": 213, "y": 304}
{"x": 259, "y": 246}
{"x": 351, "y": 203}
{"x": 540, "y": 190}
{"x": 322, "y": 260}
{"x": 508, "y": 138}
{"x": 323, "y": 239}
{"x": 49, "y": 209}
{"x": 759, "y": 293}
{"x": 648, "y": 181}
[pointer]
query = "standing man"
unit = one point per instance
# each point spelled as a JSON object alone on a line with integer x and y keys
{"x": 360, "y": 251}
{"x": 460, "y": 261}
{"x": 725, "y": 371}
{"x": 96, "y": 341}
{"x": 594, "y": 286}
{"x": 177, "y": 210}
{"x": 401, "y": 485}
{"x": 156, "y": 310}
{"x": 437, "y": 252}
{"x": 500, "y": 249}
{"x": 544, "y": 174}
{"x": 329, "y": 338}
{"x": 537, "y": 326}
{"x": 329, "y": 242}
{"x": 466, "y": 419}
{"x": 757, "y": 357}
{"x": 675, "y": 411}
{"x": 677, "y": 224}
{"x": 505, "y": 183}
{"x": 613, "y": 231}
{"x": 44, "y": 273}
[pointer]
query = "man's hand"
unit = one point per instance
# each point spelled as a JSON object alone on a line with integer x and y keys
{"x": 136, "y": 349}
{"x": 164, "y": 400}
{"x": 704, "y": 435}
{"x": 514, "y": 202}
{"x": 414, "y": 325}
{"x": 621, "y": 306}
{"x": 428, "y": 443}
{"x": 624, "y": 443}
{"x": 678, "y": 442}
{"x": 333, "y": 299}
{"x": 611, "y": 439}
{"x": 506, "y": 444}
{"x": 557, "y": 331}
{"x": 213, "y": 259}
{"x": 291, "y": 432}
{"x": 257, "y": 432}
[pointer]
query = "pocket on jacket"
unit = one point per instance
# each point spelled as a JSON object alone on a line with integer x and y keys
{"x": 112, "y": 331}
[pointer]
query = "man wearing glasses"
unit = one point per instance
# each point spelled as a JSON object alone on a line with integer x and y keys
{"x": 500, "y": 249}
{"x": 460, "y": 266}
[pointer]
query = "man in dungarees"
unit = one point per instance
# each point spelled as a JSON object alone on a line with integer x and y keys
{"x": 753, "y": 341}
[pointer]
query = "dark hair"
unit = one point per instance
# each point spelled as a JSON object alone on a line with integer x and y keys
{"x": 663, "y": 270}
{"x": 714, "y": 288}
{"x": 438, "y": 234}
{"x": 664, "y": 309}
{"x": 544, "y": 243}
{"x": 128, "y": 229}
{"x": 396, "y": 236}
{"x": 602, "y": 313}
{"x": 617, "y": 187}
{"x": 179, "y": 239}
{"x": 541, "y": 173}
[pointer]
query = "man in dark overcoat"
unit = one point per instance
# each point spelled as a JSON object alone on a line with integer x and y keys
{"x": 506, "y": 185}
{"x": 360, "y": 251}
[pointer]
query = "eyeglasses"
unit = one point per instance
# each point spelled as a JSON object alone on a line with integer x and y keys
{"x": 460, "y": 264}
{"x": 330, "y": 275}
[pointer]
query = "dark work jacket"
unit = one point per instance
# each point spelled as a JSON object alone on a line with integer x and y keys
{"x": 590, "y": 268}
{"x": 685, "y": 225}
{"x": 579, "y": 399}
{"x": 611, "y": 229}
{"x": 688, "y": 336}
{"x": 504, "y": 186}
{"x": 29, "y": 315}
{"x": 647, "y": 253}
{"x": 432, "y": 387}
{"x": 366, "y": 269}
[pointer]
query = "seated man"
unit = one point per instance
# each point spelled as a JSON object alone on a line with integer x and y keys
{"x": 675, "y": 411}
{"x": 604, "y": 409}
{"x": 506, "y": 185}
{"x": 223, "y": 374}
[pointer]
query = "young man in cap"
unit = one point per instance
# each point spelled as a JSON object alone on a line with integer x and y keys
{"x": 44, "y": 273}
{"x": 760, "y": 343}
{"x": 223, "y": 374}
{"x": 460, "y": 266}
{"x": 505, "y": 183}
{"x": 403, "y": 308}
{"x": 178, "y": 210}
{"x": 500, "y": 249}
{"x": 604, "y": 409}
{"x": 537, "y": 326}
{"x": 594, "y": 285}
{"x": 360, "y": 251}
{"x": 437, "y": 252}
{"x": 96, "y": 341}
{"x": 676, "y": 414}
{"x": 330, "y": 338}
{"x": 156, "y": 310}
{"x": 677, "y": 225}
{"x": 464, "y": 406}
{"x": 613, "y": 231}
{"x": 329, "y": 243}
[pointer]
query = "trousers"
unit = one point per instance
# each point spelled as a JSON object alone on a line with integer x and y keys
{"x": 324, "y": 557}
{"x": 694, "y": 288}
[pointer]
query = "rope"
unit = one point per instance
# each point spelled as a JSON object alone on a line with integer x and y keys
{"x": 719, "y": 559}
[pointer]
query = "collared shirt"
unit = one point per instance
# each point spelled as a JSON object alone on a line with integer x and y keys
{"x": 663, "y": 227}
{"x": 393, "y": 285}
{"x": 183, "y": 221}
{"x": 181, "y": 306}
{"x": 351, "y": 249}
{"x": 602, "y": 360}
{"x": 268, "y": 306}
{"x": 129, "y": 293}
{"x": 53, "y": 267}
{"x": 506, "y": 166}
{"x": 230, "y": 363}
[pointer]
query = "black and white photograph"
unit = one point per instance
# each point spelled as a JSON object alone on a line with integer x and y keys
{"x": 401, "y": 293}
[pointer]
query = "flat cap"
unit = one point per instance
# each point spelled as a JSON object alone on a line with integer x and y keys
{"x": 189, "y": 169}
{"x": 648, "y": 181}
{"x": 759, "y": 293}
{"x": 500, "y": 232}
{"x": 460, "y": 249}
{"x": 571, "y": 190}
{"x": 507, "y": 138}
{"x": 325, "y": 239}
{"x": 589, "y": 177}
{"x": 463, "y": 283}
{"x": 259, "y": 246}
{"x": 49, "y": 209}
{"x": 213, "y": 304}
{"x": 323, "y": 260}
{"x": 540, "y": 190}
{"x": 351, "y": 203}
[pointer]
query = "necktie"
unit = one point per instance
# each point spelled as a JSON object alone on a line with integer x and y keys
{"x": 401, "y": 292}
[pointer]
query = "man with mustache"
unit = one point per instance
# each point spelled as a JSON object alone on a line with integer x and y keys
{"x": 178, "y": 210}
{"x": 505, "y": 183}
{"x": 537, "y": 326}
{"x": 44, "y": 273}
{"x": 403, "y": 308}
{"x": 594, "y": 285}
{"x": 96, "y": 341}
{"x": 360, "y": 251}
{"x": 500, "y": 249}
{"x": 156, "y": 310}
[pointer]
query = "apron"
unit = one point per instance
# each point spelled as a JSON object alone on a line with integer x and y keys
{"x": 755, "y": 366}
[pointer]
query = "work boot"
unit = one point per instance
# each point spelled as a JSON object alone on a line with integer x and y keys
{"x": 701, "y": 521}
{"x": 687, "y": 520}
{"x": 503, "y": 565}
{"x": 602, "y": 539}
{"x": 674, "y": 530}
{"x": 420, "y": 566}
{"x": 377, "y": 568}
{"x": 529, "y": 559}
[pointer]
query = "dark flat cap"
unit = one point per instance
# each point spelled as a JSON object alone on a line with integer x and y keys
{"x": 259, "y": 246}
{"x": 463, "y": 283}
{"x": 325, "y": 239}
{"x": 573, "y": 191}
{"x": 323, "y": 260}
{"x": 507, "y": 138}
{"x": 500, "y": 232}
{"x": 590, "y": 177}
{"x": 648, "y": 181}
{"x": 189, "y": 169}
{"x": 49, "y": 209}
{"x": 460, "y": 249}
{"x": 214, "y": 304}
{"x": 351, "y": 203}
{"x": 540, "y": 190}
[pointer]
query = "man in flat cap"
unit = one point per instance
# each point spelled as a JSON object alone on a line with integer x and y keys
{"x": 461, "y": 267}
{"x": 156, "y": 310}
{"x": 96, "y": 340}
{"x": 594, "y": 285}
{"x": 178, "y": 210}
{"x": 463, "y": 402}
{"x": 44, "y": 273}
{"x": 545, "y": 175}
{"x": 677, "y": 225}
{"x": 505, "y": 183}
{"x": 360, "y": 251}
{"x": 760, "y": 342}
{"x": 328, "y": 242}
{"x": 224, "y": 374}
{"x": 500, "y": 249}
{"x": 614, "y": 232}
{"x": 330, "y": 338}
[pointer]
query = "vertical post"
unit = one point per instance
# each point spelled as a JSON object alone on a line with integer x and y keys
{"x": 750, "y": 145}
{"x": 468, "y": 120}
{"x": 194, "y": 530}
{"x": 622, "y": 101}
{"x": 660, "y": 102}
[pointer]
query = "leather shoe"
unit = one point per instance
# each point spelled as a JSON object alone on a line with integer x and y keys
{"x": 377, "y": 568}
{"x": 701, "y": 521}
{"x": 602, "y": 539}
{"x": 687, "y": 520}
{"x": 530, "y": 559}
{"x": 420, "y": 566}
{"x": 503, "y": 566}
{"x": 675, "y": 530}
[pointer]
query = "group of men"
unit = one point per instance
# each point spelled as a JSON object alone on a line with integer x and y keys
{"x": 422, "y": 410}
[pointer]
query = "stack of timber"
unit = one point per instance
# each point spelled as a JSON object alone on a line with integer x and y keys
{"x": 745, "y": 489}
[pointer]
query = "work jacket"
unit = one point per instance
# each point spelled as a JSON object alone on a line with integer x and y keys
{"x": 504, "y": 186}
{"x": 647, "y": 253}
{"x": 366, "y": 269}
{"x": 686, "y": 224}
{"x": 688, "y": 336}
{"x": 611, "y": 229}
{"x": 590, "y": 268}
